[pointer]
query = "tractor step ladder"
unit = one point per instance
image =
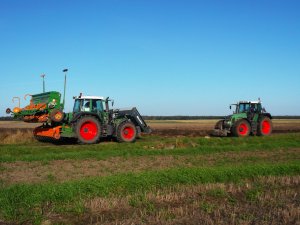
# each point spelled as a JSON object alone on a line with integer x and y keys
{"x": 254, "y": 127}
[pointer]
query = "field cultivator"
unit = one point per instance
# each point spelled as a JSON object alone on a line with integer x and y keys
{"x": 42, "y": 107}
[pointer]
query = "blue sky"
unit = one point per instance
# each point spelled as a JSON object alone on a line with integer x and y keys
{"x": 164, "y": 57}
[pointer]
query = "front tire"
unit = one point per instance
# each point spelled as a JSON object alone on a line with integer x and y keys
{"x": 88, "y": 130}
{"x": 265, "y": 127}
{"x": 126, "y": 132}
{"x": 241, "y": 128}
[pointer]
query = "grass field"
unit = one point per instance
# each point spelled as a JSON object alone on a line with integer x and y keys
{"x": 156, "y": 180}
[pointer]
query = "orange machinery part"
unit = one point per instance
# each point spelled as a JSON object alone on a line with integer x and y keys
{"x": 52, "y": 132}
{"x": 36, "y": 119}
{"x": 33, "y": 118}
{"x": 32, "y": 106}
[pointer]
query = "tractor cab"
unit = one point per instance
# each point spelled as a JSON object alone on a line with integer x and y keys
{"x": 92, "y": 119}
{"x": 247, "y": 107}
{"x": 89, "y": 104}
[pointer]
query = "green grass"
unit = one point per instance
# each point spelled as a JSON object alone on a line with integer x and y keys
{"x": 33, "y": 202}
{"x": 30, "y": 201}
{"x": 146, "y": 147}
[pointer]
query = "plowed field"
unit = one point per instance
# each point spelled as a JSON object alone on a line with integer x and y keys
{"x": 169, "y": 128}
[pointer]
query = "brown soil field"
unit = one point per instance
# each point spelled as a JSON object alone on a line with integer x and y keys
{"x": 204, "y": 127}
{"x": 171, "y": 127}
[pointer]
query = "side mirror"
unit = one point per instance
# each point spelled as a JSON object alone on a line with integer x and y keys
{"x": 230, "y": 107}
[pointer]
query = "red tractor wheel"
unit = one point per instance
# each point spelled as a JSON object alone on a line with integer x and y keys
{"x": 88, "y": 130}
{"x": 126, "y": 132}
{"x": 265, "y": 127}
{"x": 241, "y": 128}
{"x": 56, "y": 115}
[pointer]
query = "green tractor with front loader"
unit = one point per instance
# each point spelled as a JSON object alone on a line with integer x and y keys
{"x": 248, "y": 118}
{"x": 92, "y": 119}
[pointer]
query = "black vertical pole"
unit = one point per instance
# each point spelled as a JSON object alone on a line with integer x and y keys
{"x": 65, "y": 71}
{"x": 43, "y": 76}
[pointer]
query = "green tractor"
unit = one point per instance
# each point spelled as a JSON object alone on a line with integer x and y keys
{"x": 249, "y": 118}
{"x": 92, "y": 119}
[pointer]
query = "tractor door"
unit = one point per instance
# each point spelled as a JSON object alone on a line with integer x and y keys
{"x": 97, "y": 106}
{"x": 253, "y": 112}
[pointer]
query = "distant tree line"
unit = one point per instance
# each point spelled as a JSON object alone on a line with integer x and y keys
{"x": 9, "y": 118}
{"x": 286, "y": 117}
{"x": 182, "y": 117}
{"x": 204, "y": 117}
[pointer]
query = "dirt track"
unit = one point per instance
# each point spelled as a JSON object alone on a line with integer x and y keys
{"x": 171, "y": 127}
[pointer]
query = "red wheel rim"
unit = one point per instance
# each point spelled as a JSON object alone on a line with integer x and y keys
{"x": 88, "y": 130}
{"x": 243, "y": 129}
{"x": 265, "y": 127}
{"x": 128, "y": 133}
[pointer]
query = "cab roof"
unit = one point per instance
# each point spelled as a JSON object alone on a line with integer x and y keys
{"x": 90, "y": 97}
{"x": 252, "y": 102}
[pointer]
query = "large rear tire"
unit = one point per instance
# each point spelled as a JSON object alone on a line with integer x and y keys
{"x": 126, "y": 132}
{"x": 241, "y": 128}
{"x": 265, "y": 126}
{"x": 88, "y": 130}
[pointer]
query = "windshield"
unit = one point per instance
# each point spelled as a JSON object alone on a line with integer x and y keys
{"x": 243, "y": 107}
{"x": 88, "y": 105}
{"x": 78, "y": 105}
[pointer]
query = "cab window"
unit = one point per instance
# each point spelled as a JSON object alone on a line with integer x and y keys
{"x": 244, "y": 107}
{"x": 77, "y": 105}
{"x": 86, "y": 105}
{"x": 97, "y": 105}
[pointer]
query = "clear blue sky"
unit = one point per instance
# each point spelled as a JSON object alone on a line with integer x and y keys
{"x": 164, "y": 57}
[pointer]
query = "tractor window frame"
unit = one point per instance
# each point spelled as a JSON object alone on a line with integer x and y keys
{"x": 78, "y": 104}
